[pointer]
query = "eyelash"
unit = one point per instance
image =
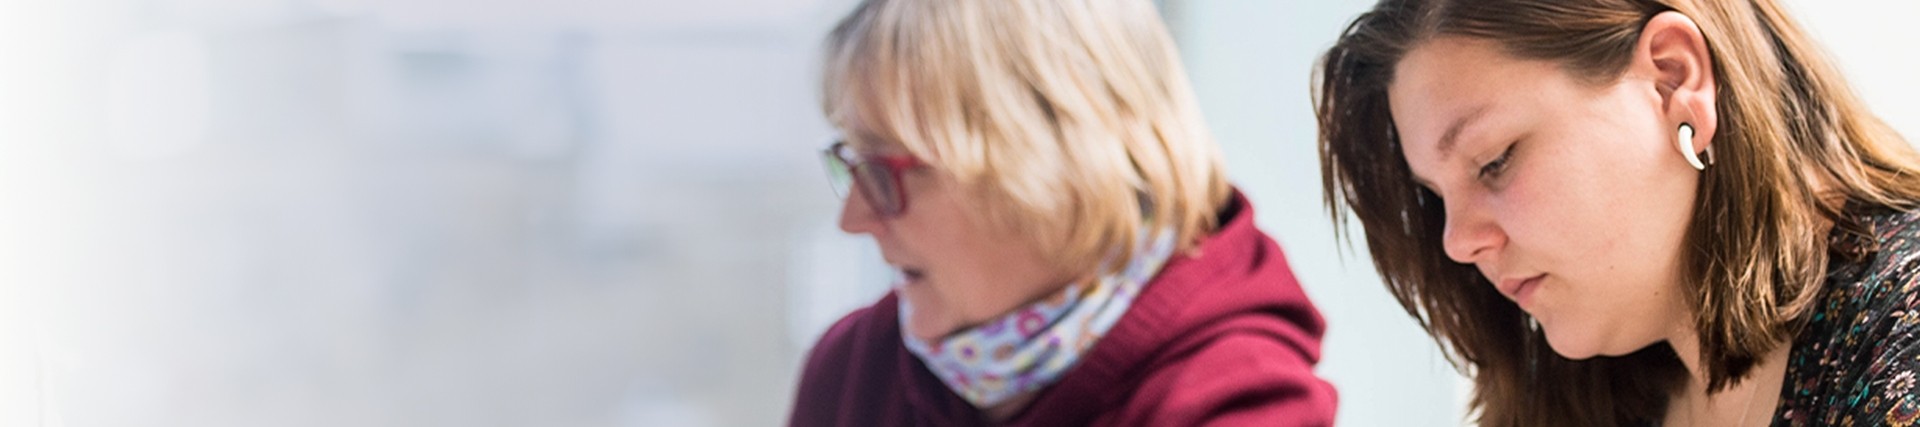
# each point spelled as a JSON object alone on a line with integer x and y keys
{"x": 1494, "y": 168}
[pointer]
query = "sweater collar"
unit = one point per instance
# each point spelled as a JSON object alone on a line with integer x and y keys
{"x": 1106, "y": 375}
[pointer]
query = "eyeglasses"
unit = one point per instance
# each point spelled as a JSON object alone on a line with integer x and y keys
{"x": 877, "y": 176}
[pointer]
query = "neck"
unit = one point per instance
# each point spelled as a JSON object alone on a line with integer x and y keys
{"x": 1686, "y": 344}
{"x": 1750, "y": 400}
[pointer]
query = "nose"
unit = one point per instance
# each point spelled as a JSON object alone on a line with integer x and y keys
{"x": 856, "y": 216}
{"x": 1471, "y": 235}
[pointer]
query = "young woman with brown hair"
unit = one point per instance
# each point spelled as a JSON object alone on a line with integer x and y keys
{"x": 1631, "y": 212}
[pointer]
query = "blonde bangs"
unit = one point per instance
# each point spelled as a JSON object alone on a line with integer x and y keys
{"x": 1070, "y": 121}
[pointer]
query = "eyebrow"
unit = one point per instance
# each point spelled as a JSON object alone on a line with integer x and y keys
{"x": 1452, "y": 137}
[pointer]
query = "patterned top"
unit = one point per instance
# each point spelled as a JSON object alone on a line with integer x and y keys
{"x": 1855, "y": 361}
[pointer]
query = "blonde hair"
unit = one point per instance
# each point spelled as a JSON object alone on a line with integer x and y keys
{"x": 1071, "y": 121}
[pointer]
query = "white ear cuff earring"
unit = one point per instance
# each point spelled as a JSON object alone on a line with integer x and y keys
{"x": 1686, "y": 148}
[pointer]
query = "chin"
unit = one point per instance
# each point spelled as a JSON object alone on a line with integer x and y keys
{"x": 1581, "y": 345}
{"x": 929, "y": 319}
{"x": 931, "y": 323}
{"x": 930, "y": 330}
{"x": 1573, "y": 352}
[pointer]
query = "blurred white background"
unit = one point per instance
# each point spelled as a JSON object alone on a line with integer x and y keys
{"x": 552, "y": 213}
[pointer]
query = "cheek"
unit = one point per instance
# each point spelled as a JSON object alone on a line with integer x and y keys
{"x": 958, "y": 252}
{"x": 992, "y": 261}
{"x": 1610, "y": 223}
{"x": 934, "y": 226}
{"x": 1559, "y": 213}
{"x": 1541, "y": 208}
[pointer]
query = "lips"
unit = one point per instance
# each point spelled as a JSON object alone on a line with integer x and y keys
{"x": 1520, "y": 290}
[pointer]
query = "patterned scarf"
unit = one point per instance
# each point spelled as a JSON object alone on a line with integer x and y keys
{"x": 1031, "y": 347}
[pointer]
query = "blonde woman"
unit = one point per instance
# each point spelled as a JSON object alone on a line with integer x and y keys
{"x": 1632, "y": 212}
{"x": 1070, "y": 252}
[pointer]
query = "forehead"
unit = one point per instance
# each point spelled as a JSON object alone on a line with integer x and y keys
{"x": 864, "y": 127}
{"x": 1450, "y": 81}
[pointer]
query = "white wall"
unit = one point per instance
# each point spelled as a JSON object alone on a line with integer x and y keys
{"x": 1873, "y": 42}
{"x": 408, "y": 213}
{"x": 1251, "y": 63}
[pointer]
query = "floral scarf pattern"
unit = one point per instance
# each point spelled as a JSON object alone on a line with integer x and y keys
{"x": 1031, "y": 347}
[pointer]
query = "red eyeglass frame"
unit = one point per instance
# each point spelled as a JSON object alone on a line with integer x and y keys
{"x": 855, "y": 162}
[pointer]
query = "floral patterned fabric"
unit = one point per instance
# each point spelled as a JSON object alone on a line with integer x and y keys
{"x": 1854, "y": 363}
{"x": 1032, "y": 347}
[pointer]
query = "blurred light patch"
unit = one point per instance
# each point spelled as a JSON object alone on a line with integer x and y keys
{"x": 629, "y": 15}
{"x": 834, "y": 275}
{"x": 158, "y": 88}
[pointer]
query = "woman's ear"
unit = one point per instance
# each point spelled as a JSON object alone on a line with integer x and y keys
{"x": 1674, "y": 53}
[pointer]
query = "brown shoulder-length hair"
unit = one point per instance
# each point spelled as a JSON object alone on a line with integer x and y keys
{"x": 1795, "y": 148}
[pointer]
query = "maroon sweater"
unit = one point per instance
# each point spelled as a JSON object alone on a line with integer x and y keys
{"x": 1223, "y": 337}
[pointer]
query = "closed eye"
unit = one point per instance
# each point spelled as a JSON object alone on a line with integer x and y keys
{"x": 1495, "y": 167}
